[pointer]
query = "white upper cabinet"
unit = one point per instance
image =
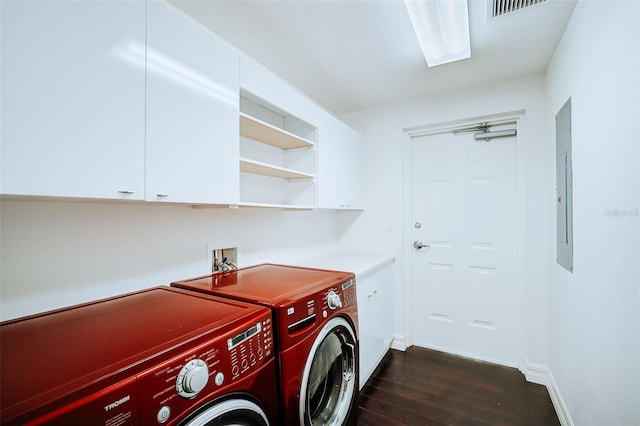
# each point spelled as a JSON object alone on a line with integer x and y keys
{"x": 340, "y": 175}
{"x": 192, "y": 111}
{"x": 73, "y": 98}
{"x": 134, "y": 100}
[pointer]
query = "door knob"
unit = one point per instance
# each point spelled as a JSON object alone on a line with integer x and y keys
{"x": 417, "y": 244}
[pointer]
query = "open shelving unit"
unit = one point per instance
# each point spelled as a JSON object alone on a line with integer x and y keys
{"x": 278, "y": 157}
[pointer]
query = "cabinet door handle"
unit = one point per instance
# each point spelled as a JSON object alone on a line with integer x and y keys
{"x": 162, "y": 195}
{"x": 125, "y": 192}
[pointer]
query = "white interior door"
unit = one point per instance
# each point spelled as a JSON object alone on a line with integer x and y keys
{"x": 465, "y": 295}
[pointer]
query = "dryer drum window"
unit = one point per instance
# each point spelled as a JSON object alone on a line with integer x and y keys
{"x": 328, "y": 383}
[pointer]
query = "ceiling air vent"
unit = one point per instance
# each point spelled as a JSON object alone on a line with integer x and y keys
{"x": 502, "y": 7}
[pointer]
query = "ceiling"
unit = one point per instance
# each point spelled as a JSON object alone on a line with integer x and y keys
{"x": 349, "y": 55}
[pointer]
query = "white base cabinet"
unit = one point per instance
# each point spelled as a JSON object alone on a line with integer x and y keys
{"x": 375, "y": 312}
{"x": 73, "y": 98}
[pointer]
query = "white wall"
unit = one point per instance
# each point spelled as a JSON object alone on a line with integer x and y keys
{"x": 56, "y": 254}
{"x": 381, "y": 225}
{"x": 594, "y": 312}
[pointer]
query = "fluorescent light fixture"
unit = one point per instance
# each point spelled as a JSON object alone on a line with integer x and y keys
{"x": 442, "y": 27}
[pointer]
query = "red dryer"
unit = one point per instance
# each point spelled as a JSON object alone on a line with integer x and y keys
{"x": 316, "y": 331}
{"x": 162, "y": 356}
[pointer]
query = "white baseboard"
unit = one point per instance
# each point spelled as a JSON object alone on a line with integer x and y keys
{"x": 558, "y": 402}
{"x": 542, "y": 375}
{"x": 399, "y": 342}
{"x": 536, "y": 373}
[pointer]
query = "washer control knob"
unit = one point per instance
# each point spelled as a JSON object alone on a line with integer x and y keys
{"x": 192, "y": 378}
{"x": 333, "y": 300}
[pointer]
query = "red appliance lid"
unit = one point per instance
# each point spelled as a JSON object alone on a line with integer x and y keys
{"x": 46, "y": 356}
{"x": 268, "y": 284}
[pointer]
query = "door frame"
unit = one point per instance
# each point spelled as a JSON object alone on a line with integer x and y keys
{"x": 521, "y": 255}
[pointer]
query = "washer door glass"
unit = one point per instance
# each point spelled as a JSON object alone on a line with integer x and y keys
{"x": 232, "y": 412}
{"x": 328, "y": 383}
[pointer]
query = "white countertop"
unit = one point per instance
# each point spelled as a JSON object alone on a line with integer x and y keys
{"x": 359, "y": 263}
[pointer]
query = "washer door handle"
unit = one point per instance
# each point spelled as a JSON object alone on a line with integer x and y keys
{"x": 349, "y": 352}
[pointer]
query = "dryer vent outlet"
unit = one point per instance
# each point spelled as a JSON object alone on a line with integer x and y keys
{"x": 223, "y": 259}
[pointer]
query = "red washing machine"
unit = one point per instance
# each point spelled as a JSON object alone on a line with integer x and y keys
{"x": 162, "y": 356}
{"x": 316, "y": 322}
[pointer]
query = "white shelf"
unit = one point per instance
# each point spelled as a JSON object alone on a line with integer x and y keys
{"x": 278, "y": 206}
{"x": 264, "y": 169}
{"x": 259, "y": 130}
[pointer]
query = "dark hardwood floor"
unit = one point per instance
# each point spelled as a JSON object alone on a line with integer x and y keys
{"x": 426, "y": 387}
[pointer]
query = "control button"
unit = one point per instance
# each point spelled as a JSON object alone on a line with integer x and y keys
{"x": 324, "y": 313}
{"x": 192, "y": 378}
{"x": 245, "y": 364}
{"x": 219, "y": 379}
{"x": 333, "y": 300}
{"x": 163, "y": 414}
{"x": 252, "y": 357}
{"x": 260, "y": 352}
{"x": 235, "y": 370}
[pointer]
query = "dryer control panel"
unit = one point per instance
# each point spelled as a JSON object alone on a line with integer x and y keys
{"x": 348, "y": 291}
{"x": 306, "y": 313}
{"x": 173, "y": 388}
{"x": 340, "y": 296}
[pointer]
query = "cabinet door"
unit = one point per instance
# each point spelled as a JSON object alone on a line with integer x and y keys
{"x": 341, "y": 168}
{"x": 73, "y": 98}
{"x": 376, "y": 316}
{"x": 192, "y": 111}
